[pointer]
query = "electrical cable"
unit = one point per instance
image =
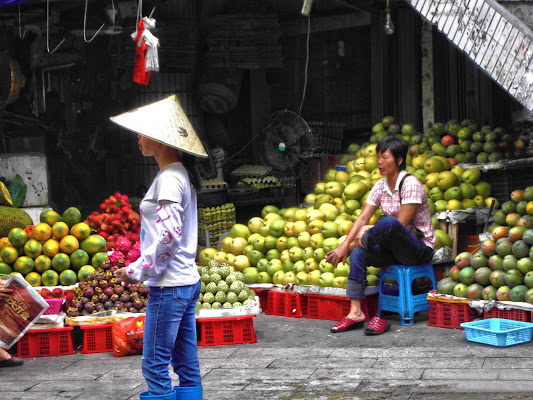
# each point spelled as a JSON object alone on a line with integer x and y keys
{"x": 306, "y": 63}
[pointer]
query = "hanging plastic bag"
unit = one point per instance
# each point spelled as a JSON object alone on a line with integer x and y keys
{"x": 128, "y": 336}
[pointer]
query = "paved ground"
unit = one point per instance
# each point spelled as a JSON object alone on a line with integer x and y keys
{"x": 301, "y": 359}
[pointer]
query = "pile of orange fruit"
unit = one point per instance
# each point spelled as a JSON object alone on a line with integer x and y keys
{"x": 60, "y": 249}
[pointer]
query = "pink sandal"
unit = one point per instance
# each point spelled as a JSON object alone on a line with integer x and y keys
{"x": 377, "y": 326}
{"x": 347, "y": 324}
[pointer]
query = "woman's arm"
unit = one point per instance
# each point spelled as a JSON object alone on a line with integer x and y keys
{"x": 407, "y": 212}
{"x": 356, "y": 233}
{"x": 154, "y": 260}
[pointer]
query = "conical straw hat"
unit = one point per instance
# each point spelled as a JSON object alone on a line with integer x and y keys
{"x": 164, "y": 121}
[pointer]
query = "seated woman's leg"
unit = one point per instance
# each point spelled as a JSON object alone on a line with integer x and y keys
{"x": 390, "y": 235}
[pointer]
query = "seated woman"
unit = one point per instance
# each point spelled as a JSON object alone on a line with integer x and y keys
{"x": 404, "y": 235}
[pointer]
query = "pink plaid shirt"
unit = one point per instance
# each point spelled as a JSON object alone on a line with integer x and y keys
{"x": 412, "y": 193}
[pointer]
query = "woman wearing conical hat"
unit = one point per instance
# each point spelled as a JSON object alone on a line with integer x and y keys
{"x": 168, "y": 248}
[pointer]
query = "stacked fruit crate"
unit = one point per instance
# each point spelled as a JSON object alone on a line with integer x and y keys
{"x": 214, "y": 221}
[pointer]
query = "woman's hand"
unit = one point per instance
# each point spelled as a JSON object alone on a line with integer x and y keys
{"x": 338, "y": 255}
{"x": 5, "y": 293}
{"x": 122, "y": 277}
{"x": 360, "y": 234}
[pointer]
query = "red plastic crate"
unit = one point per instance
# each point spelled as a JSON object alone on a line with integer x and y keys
{"x": 514, "y": 314}
{"x": 334, "y": 308}
{"x": 450, "y": 315}
{"x": 263, "y": 297}
{"x": 97, "y": 339}
{"x": 231, "y": 330}
{"x": 286, "y": 304}
{"x": 46, "y": 342}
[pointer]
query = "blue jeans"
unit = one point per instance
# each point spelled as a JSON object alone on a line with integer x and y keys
{"x": 170, "y": 338}
{"x": 387, "y": 243}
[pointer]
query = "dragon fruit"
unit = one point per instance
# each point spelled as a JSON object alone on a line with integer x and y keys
{"x": 136, "y": 246}
{"x": 115, "y": 256}
{"x": 122, "y": 244}
{"x": 133, "y": 255}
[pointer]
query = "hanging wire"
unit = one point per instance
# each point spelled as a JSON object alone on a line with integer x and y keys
{"x": 48, "y": 30}
{"x": 22, "y": 35}
{"x": 85, "y": 26}
{"x": 306, "y": 63}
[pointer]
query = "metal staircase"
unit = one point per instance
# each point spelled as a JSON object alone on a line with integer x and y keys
{"x": 495, "y": 39}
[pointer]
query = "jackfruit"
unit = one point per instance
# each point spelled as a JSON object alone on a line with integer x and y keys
{"x": 5, "y": 197}
{"x": 11, "y": 217}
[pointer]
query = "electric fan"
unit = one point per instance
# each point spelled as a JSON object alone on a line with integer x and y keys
{"x": 287, "y": 147}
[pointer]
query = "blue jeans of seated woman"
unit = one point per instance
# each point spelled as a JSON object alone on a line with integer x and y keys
{"x": 387, "y": 243}
{"x": 170, "y": 338}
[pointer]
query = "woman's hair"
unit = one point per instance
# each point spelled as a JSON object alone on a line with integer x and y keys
{"x": 189, "y": 162}
{"x": 397, "y": 146}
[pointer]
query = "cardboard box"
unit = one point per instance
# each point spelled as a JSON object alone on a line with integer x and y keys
{"x": 33, "y": 168}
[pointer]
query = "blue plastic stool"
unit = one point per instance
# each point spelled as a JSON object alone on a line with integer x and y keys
{"x": 405, "y": 303}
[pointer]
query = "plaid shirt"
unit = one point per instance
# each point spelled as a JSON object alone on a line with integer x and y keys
{"x": 412, "y": 193}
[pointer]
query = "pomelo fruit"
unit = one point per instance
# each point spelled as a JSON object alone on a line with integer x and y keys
{"x": 9, "y": 254}
{"x": 42, "y": 263}
{"x": 50, "y": 278}
{"x": 33, "y": 278}
{"x": 5, "y": 269}
{"x": 49, "y": 217}
{"x": 79, "y": 258}
{"x": 85, "y": 271}
{"x": 17, "y": 237}
{"x": 69, "y": 244}
{"x": 61, "y": 262}
{"x": 60, "y": 230}
{"x": 99, "y": 258}
{"x": 33, "y": 248}
{"x": 23, "y": 265}
{"x": 42, "y": 232}
{"x": 71, "y": 216}
{"x": 80, "y": 231}
{"x": 68, "y": 277}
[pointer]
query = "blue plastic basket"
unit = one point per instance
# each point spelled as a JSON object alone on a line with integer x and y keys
{"x": 498, "y": 332}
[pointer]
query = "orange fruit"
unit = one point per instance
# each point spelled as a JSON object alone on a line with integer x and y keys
{"x": 80, "y": 230}
{"x": 42, "y": 232}
{"x": 33, "y": 248}
{"x": 33, "y": 278}
{"x": 50, "y": 278}
{"x": 99, "y": 258}
{"x": 50, "y": 217}
{"x": 4, "y": 242}
{"x": 79, "y": 258}
{"x": 93, "y": 244}
{"x": 9, "y": 254}
{"x": 42, "y": 263}
{"x": 68, "y": 277}
{"x": 5, "y": 269}
{"x": 85, "y": 272}
{"x": 69, "y": 244}
{"x": 23, "y": 265}
{"x": 60, "y": 230}
{"x": 72, "y": 216}
{"x": 60, "y": 262}
{"x": 51, "y": 247}
{"x": 17, "y": 237}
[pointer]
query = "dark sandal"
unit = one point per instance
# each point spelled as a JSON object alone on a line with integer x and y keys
{"x": 11, "y": 362}
{"x": 377, "y": 326}
{"x": 347, "y": 324}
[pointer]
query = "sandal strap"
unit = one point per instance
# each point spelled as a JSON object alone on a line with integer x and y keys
{"x": 377, "y": 324}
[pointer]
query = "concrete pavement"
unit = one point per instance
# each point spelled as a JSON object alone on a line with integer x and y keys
{"x": 298, "y": 358}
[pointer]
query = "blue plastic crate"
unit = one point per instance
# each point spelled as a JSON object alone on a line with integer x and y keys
{"x": 498, "y": 332}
